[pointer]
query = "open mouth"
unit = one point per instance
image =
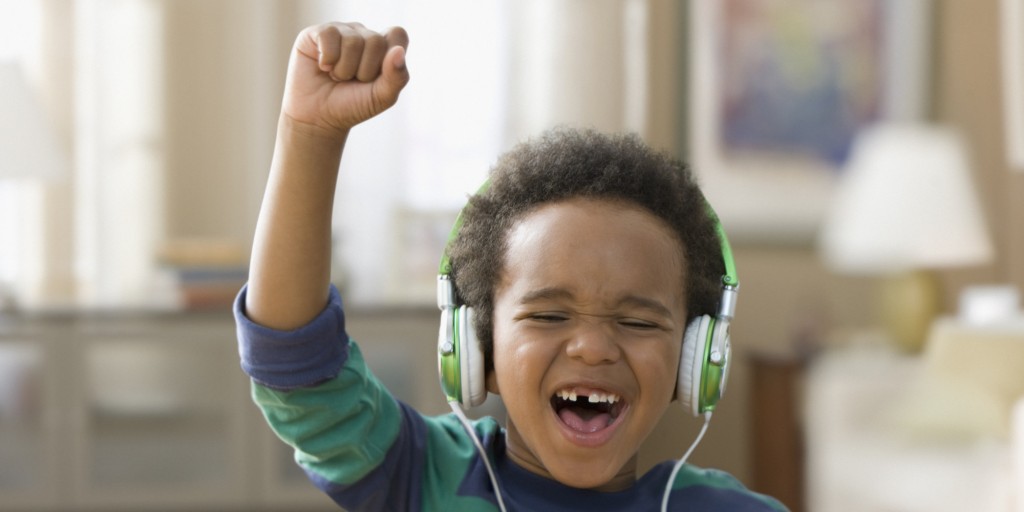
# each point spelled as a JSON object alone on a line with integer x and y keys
{"x": 587, "y": 413}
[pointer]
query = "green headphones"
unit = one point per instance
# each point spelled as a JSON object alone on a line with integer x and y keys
{"x": 703, "y": 363}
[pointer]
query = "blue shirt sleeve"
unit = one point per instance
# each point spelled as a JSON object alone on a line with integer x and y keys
{"x": 302, "y": 357}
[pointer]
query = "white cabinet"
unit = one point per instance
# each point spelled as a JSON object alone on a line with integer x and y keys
{"x": 28, "y": 425}
{"x": 158, "y": 410}
{"x": 135, "y": 412}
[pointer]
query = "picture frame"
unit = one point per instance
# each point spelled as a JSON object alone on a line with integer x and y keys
{"x": 772, "y": 85}
{"x": 1012, "y": 16}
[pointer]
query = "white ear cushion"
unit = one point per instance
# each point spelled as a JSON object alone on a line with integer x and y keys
{"x": 474, "y": 389}
{"x": 728, "y": 364}
{"x": 691, "y": 364}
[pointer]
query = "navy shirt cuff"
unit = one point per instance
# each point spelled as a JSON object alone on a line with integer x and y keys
{"x": 295, "y": 358}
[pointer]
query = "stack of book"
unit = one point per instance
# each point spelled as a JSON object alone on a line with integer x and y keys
{"x": 205, "y": 273}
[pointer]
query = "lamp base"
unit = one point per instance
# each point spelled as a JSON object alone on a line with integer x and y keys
{"x": 908, "y": 304}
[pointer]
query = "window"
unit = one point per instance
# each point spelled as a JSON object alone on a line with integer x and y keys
{"x": 18, "y": 32}
{"x": 406, "y": 174}
{"x": 172, "y": 134}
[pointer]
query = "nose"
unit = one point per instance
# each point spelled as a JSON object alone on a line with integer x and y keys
{"x": 594, "y": 343}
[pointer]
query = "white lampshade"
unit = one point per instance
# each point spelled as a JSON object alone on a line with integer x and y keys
{"x": 28, "y": 144}
{"x": 905, "y": 202}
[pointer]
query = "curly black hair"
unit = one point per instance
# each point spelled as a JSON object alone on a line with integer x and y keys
{"x": 566, "y": 163}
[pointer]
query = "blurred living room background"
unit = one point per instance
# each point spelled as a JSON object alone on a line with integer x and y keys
{"x": 866, "y": 158}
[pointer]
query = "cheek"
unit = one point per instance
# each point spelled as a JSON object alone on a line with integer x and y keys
{"x": 506, "y": 355}
{"x": 521, "y": 360}
{"x": 658, "y": 366}
{"x": 514, "y": 355}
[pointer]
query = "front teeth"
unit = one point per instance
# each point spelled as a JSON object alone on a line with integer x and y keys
{"x": 592, "y": 398}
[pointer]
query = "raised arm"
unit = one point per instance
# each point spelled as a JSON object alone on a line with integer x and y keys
{"x": 339, "y": 75}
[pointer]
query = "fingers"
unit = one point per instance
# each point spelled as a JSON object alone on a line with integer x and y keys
{"x": 350, "y": 51}
{"x": 393, "y": 77}
{"x": 394, "y": 60}
{"x": 396, "y": 36}
{"x": 374, "y": 48}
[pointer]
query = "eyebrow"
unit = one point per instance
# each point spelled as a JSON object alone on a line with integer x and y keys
{"x": 553, "y": 293}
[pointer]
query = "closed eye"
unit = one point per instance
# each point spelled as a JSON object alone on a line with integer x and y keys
{"x": 548, "y": 317}
{"x": 633, "y": 323}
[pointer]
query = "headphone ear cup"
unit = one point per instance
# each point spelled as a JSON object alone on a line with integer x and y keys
{"x": 447, "y": 356}
{"x": 471, "y": 360}
{"x": 691, "y": 363}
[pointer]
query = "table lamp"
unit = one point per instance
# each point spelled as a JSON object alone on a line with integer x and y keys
{"x": 28, "y": 142}
{"x": 29, "y": 147}
{"x": 905, "y": 206}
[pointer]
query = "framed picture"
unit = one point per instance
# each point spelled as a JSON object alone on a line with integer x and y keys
{"x": 779, "y": 90}
{"x": 1013, "y": 80}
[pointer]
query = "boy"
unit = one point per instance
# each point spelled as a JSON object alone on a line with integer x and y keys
{"x": 578, "y": 269}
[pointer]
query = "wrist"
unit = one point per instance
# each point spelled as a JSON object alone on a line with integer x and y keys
{"x": 311, "y": 135}
{"x": 307, "y": 151}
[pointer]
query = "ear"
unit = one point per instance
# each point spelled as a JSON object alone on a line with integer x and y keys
{"x": 492, "y": 383}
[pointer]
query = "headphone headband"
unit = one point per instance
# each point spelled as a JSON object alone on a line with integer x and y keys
{"x": 729, "y": 280}
{"x": 445, "y": 268}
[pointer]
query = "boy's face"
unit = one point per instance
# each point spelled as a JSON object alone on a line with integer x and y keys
{"x": 588, "y": 324}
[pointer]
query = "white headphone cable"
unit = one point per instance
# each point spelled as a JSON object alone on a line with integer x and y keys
{"x": 679, "y": 463}
{"x": 457, "y": 409}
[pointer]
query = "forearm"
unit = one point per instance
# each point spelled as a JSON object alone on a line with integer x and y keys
{"x": 339, "y": 75}
{"x": 289, "y": 271}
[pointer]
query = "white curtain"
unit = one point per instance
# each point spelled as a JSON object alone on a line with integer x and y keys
{"x": 485, "y": 75}
{"x": 169, "y": 109}
{"x": 40, "y": 172}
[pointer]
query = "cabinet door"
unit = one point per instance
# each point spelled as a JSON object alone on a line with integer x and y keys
{"x": 27, "y": 426}
{"x": 158, "y": 410}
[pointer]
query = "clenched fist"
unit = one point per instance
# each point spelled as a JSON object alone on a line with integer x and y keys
{"x": 341, "y": 74}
